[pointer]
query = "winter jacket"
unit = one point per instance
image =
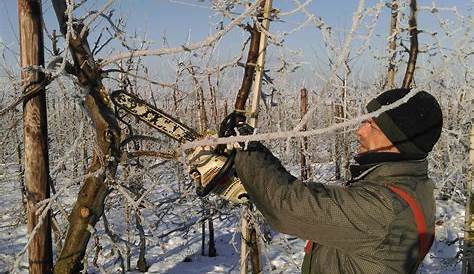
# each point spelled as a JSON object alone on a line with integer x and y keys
{"x": 360, "y": 228}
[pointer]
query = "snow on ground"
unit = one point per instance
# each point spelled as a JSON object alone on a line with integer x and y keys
{"x": 180, "y": 251}
{"x": 442, "y": 257}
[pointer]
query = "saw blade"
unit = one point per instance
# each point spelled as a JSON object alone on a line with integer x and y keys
{"x": 153, "y": 116}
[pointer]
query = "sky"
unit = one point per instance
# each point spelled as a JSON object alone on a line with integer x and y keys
{"x": 175, "y": 18}
{"x": 180, "y": 20}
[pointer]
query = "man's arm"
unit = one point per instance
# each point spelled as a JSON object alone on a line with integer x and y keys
{"x": 330, "y": 215}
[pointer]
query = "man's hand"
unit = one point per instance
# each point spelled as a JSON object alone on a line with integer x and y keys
{"x": 234, "y": 125}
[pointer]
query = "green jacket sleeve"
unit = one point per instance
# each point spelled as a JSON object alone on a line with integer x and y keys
{"x": 345, "y": 218}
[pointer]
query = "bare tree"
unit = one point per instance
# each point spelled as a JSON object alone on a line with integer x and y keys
{"x": 413, "y": 54}
{"x": 89, "y": 205}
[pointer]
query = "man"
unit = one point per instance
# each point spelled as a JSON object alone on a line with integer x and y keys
{"x": 382, "y": 220}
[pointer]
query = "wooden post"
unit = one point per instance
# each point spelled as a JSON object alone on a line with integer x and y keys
{"x": 35, "y": 136}
{"x": 305, "y": 169}
{"x": 257, "y": 87}
{"x": 249, "y": 240}
{"x": 21, "y": 171}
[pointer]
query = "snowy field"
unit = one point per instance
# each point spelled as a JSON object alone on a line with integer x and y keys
{"x": 174, "y": 239}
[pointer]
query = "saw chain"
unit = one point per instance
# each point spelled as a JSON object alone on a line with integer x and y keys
{"x": 153, "y": 117}
{"x": 214, "y": 173}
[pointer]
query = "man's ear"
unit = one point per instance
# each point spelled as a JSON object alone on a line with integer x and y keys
{"x": 385, "y": 144}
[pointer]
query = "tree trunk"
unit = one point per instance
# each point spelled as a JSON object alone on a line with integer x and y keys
{"x": 346, "y": 150}
{"x": 244, "y": 90}
{"x": 341, "y": 144}
{"x": 142, "y": 265}
{"x": 254, "y": 250}
{"x": 392, "y": 45}
{"x": 212, "y": 252}
{"x": 89, "y": 205}
{"x": 338, "y": 143}
{"x": 35, "y": 136}
{"x": 305, "y": 169}
{"x": 410, "y": 71}
{"x": 212, "y": 95}
{"x": 203, "y": 229}
{"x": 226, "y": 106}
{"x": 244, "y": 240}
{"x": 201, "y": 105}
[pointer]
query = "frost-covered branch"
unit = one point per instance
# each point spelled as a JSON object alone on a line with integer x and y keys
{"x": 204, "y": 43}
{"x": 212, "y": 141}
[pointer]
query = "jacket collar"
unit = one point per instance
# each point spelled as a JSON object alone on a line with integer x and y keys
{"x": 388, "y": 166}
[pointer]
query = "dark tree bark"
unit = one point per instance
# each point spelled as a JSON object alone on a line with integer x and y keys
{"x": 305, "y": 169}
{"x": 339, "y": 142}
{"x": 392, "y": 45}
{"x": 252, "y": 56}
{"x": 212, "y": 94}
{"x": 142, "y": 265}
{"x": 89, "y": 205}
{"x": 410, "y": 71}
{"x": 203, "y": 230}
{"x": 35, "y": 135}
{"x": 212, "y": 252}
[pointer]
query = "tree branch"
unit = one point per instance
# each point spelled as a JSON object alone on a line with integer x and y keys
{"x": 204, "y": 43}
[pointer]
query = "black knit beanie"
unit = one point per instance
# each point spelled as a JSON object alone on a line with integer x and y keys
{"x": 413, "y": 127}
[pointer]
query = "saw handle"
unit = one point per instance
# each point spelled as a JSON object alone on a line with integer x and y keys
{"x": 219, "y": 178}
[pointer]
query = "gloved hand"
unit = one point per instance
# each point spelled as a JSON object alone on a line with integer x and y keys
{"x": 233, "y": 125}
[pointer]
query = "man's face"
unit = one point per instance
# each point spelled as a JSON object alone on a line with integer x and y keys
{"x": 371, "y": 138}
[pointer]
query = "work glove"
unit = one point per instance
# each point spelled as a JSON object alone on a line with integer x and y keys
{"x": 234, "y": 125}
